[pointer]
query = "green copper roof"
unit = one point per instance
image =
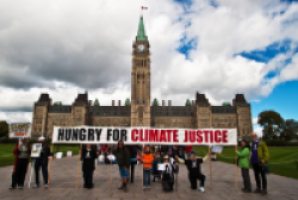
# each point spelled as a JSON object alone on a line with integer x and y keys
{"x": 141, "y": 36}
{"x": 188, "y": 102}
{"x": 96, "y": 103}
{"x": 127, "y": 102}
{"x": 58, "y": 103}
{"x": 226, "y": 104}
{"x": 155, "y": 102}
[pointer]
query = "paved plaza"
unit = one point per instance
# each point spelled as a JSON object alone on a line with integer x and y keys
{"x": 64, "y": 176}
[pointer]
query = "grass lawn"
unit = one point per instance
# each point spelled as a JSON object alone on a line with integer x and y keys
{"x": 283, "y": 160}
{"x": 7, "y": 158}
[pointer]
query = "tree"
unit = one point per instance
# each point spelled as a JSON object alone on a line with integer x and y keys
{"x": 3, "y": 129}
{"x": 272, "y": 124}
{"x": 289, "y": 129}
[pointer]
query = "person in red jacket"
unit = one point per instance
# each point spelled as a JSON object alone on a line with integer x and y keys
{"x": 188, "y": 149}
{"x": 13, "y": 177}
{"x": 23, "y": 152}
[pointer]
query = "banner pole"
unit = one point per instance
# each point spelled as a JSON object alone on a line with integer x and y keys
{"x": 210, "y": 169}
{"x": 142, "y": 167}
{"x": 78, "y": 173}
{"x": 50, "y": 165}
{"x": 111, "y": 173}
{"x": 236, "y": 169}
{"x": 31, "y": 168}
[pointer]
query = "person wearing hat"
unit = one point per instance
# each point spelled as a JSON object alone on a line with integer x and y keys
{"x": 42, "y": 161}
{"x": 243, "y": 162}
{"x": 194, "y": 170}
{"x": 22, "y": 153}
{"x": 167, "y": 175}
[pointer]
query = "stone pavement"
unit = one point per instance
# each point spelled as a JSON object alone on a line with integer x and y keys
{"x": 64, "y": 176}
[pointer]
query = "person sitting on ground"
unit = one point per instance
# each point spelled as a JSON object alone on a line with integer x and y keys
{"x": 88, "y": 156}
{"x": 101, "y": 158}
{"x": 193, "y": 166}
{"x": 168, "y": 174}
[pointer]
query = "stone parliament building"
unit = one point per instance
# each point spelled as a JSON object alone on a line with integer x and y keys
{"x": 196, "y": 114}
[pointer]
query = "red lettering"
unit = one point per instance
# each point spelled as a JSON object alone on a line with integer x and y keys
{"x": 169, "y": 135}
{"x": 175, "y": 136}
{"x": 217, "y": 139}
{"x": 206, "y": 136}
{"x": 185, "y": 136}
{"x": 153, "y": 135}
{"x": 163, "y": 137}
{"x": 141, "y": 135}
{"x": 199, "y": 137}
{"x": 211, "y": 136}
{"x": 224, "y": 136}
{"x": 134, "y": 134}
{"x": 192, "y": 136}
{"x": 146, "y": 135}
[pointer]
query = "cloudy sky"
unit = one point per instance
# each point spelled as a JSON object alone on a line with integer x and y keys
{"x": 216, "y": 47}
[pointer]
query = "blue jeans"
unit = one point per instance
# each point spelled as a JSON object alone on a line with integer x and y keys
{"x": 146, "y": 177}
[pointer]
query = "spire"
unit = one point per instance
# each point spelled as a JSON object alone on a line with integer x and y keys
{"x": 96, "y": 103}
{"x": 187, "y": 102}
{"x": 141, "y": 36}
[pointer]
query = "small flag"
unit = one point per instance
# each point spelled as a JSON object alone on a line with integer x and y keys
{"x": 144, "y": 8}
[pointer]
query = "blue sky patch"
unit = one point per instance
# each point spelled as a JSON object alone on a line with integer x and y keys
{"x": 187, "y": 45}
{"x": 269, "y": 52}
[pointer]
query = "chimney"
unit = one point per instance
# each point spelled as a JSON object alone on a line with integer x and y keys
{"x": 113, "y": 103}
{"x": 163, "y": 103}
{"x": 90, "y": 102}
{"x": 193, "y": 103}
{"x": 170, "y": 103}
{"x": 50, "y": 102}
{"x": 119, "y": 103}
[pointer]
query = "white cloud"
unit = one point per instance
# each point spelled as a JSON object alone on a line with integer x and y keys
{"x": 73, "y": 46}
{"x": 255, "y": 121}
{"x": 14, "y": 117}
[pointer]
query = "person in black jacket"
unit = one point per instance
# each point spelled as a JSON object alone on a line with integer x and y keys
{"x": 88, "y": 157}
{"x": 168, "y": 174}
{"x": 133, "y": 160}
{"x": 42, "y": 162}
{"x": 123, "y": 158}
{"x": 194, "y": 170}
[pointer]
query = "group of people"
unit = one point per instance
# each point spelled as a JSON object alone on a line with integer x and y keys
{"x": 162, "y": 161}
{"x": 22, "y": 153}
{"x": 257, "y": 156}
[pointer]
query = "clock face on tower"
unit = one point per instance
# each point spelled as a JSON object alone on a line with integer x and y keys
{"x": 141, "y": 47}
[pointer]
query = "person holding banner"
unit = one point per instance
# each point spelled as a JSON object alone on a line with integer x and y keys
{"x": 123, "y": 158}
{"x": 194, "y": 170}
{"x": 42, "y": 162}
{"x": 147, "y": 166}
{"x": 23, "y": 153}
{"x": 259, "y": 160}
{"x": 88, "y": 157}
{"x": 243, "y": 162}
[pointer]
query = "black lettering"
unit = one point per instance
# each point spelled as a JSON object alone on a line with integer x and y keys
{"x": 91, "y": 134}
{"x": 116, "y": 135}
{"x": 67, "y": 134}
{"x": 123, "y": 135}
{"x": 109, "y": 134}
{"x": 98, "y": 133}
{"x": 61, "y": 134}
{"x": 82, "y": 134}
{"x": 75, "y": 133}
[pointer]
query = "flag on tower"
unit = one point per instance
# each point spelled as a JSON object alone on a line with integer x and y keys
{"x": 144, "y": 8}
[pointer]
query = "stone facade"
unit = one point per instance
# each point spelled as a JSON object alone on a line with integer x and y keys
{"x": 196, "y": 114}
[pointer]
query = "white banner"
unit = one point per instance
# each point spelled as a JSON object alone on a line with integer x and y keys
{"x": 137, "y": 135}
{"x": 19, "y": 130}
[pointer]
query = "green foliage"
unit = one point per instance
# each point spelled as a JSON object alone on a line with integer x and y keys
{"x": 3, "y": 129}
{"x": 271, "y": 122}
{"x": 289, "y": 129}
